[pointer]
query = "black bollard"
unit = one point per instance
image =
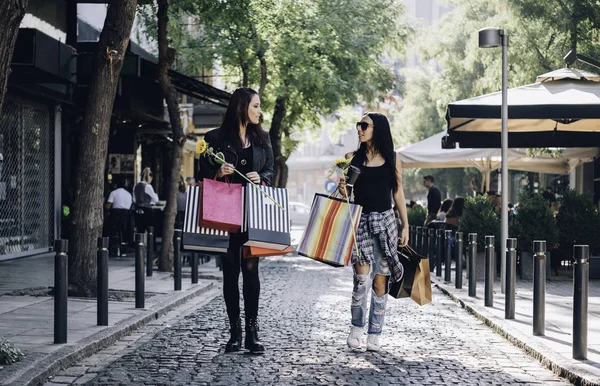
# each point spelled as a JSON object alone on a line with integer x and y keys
{"x": 511, "y": 278}
{"x": 419, "y": 236}
{"x": 177, "y": 258}
{"x": 150, "y": 251}
{"x": 489, "y": 270}
{"x": 194, "y": 268}
{"x": 411, "y": 236}
{"x": 61, "y": 290}
{"x": 139, "y": 270}
{"x": 458, "y": 252}
{"x": 431, "y": 248}
{"x": 539, "y": 288}
{"x": 581, "y": 279}
{"x": 471, "y": 254}
{"x": 448, "y": 263}
{"x": 439, "y": 252}
{"x": 102, "y": 281}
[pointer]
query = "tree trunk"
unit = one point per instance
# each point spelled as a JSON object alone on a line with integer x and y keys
{"x": 245, "y": 74}
{"x": 11, "y": 14}
{"x": 263, "y": 73}
{"x": 280, "y": 179}
{"x": 87, "y": 218}
{"x": 165, "y": 58}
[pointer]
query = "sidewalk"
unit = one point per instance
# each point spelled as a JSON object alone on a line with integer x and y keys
{"x": 554, "y": 350}
{"x": 27, "y": 319}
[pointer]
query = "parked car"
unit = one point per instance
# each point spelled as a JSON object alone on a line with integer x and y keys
{"x": 299, "y": 213}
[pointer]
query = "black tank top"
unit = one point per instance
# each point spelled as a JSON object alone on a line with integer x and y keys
{"x": 373, "y": 189}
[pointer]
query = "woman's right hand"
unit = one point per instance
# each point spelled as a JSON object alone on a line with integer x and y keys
{"x": 225, "y": 170}
{"x": 342, "y": 186}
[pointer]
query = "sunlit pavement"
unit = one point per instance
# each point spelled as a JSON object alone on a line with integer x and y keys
{"x": 304, "y": 318}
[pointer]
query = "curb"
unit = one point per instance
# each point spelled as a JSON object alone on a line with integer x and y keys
{"x": 38, "y": 371}
{"x": 552, "y": 364}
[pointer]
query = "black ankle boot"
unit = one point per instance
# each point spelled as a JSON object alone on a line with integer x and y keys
{"x": 235, "y": 341}
{"x": 251, "y": 341}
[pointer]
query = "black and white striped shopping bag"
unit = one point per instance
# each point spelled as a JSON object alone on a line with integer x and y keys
{"x": 268, "y": 225}
{"x": 196, "y": 238}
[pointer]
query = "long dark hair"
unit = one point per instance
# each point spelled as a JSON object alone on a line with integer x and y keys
{"x": 236, "y": 115}
{"x": 456, "y": 209}
{"x": 383, "y": 144}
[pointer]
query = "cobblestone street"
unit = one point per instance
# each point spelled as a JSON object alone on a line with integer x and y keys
{"x": 304, "y": 317}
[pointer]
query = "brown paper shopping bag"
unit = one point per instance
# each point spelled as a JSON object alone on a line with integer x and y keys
{"x": 421, "y": 289}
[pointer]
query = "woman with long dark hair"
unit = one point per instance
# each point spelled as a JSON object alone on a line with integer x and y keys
{"x": 379, "y": 182}
{"x": 247, "y": 148}
{"x": 455, "y": 212}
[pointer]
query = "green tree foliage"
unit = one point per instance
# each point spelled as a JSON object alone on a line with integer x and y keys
{"x": 534, "y": 221}
{"x": 540, "y": 32}
{"x": 480, "y": 216}
{"x": 417, "y": 215}
{"x": 576, "y": 222}
{"x": 308, "y": 57}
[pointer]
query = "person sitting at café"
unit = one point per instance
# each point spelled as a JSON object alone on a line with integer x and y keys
{"x": 444, "y": 209}
{"x": 455, "y": 212}
{"x": 144, "y": 198}
{"x": 119, "y": 205}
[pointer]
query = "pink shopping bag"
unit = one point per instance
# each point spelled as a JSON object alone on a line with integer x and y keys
{"x": 221, "y": 206}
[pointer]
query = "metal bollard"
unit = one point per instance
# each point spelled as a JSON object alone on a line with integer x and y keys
{"x": 581, "y": 279}
{"x": 489, "y": 270}
{"x": 139, "y": 270}
{"x": 419, "y": 236}
{"x": 511, "y": 278}
{"x": 150, "y": 252}
{"x": 102, "y": 281}
{"x": 177, "y": 258}
{"x": 439, "y": 254}
{"x": 471, "y": 254}
{"x": 448, "y": 263}
{"x": 539, "y": 288}
{"x": 431, "y": 248}
{"x": 194, "y": 268}
{"x": 61, "y": 290}
{"x": 458, "y": 253}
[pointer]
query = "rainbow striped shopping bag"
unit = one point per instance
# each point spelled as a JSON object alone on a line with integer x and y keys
{"x": 329, "y": 234}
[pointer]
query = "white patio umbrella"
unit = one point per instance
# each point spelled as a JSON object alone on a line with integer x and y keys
{"x": 428, "y": 153}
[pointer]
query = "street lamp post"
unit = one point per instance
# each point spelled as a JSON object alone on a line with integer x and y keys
{"x": 493, "y": 37}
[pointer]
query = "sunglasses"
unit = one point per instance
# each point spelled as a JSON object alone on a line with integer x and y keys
{"x": 362, "y": 125}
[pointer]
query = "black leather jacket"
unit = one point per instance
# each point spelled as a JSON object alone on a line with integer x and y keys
{"x": 262, "y": 158}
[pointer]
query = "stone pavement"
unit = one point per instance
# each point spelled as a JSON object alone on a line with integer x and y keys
{"x": 554, "y": 349}
{"x": 27, "y": 313}
{"x": 304, "y": 317}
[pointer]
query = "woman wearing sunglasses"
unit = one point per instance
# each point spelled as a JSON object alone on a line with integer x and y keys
{"x": 380, "y": 181}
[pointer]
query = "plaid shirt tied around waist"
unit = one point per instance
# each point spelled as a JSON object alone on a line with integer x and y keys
{"x": 382, "y": 225}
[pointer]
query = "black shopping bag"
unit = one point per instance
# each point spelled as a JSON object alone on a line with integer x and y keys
{"x": 410, "y": 262}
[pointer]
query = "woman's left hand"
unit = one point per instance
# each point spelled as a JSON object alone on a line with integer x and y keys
{"x": 403, "y": 240}
{"x": 254, "y": 177}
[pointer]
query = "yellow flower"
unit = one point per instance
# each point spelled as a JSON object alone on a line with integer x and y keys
{"x": 341, "y": 163}
{"x": 201, "y": 147}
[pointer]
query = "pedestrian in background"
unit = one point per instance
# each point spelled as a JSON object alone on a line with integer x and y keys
{"x": 444, "y": 209}
{"x": 181, "y": 199}
{"x": 190, "y": 181}
{"x": 246, "y": 147}
{"x": 434, "y": 199}
{"x": 455, "y": 212}
{"x": 143, "y": 198}
{"x": 377, "y": 235}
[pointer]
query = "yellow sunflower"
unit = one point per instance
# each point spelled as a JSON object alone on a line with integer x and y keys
{"x": 201, "y": 147}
